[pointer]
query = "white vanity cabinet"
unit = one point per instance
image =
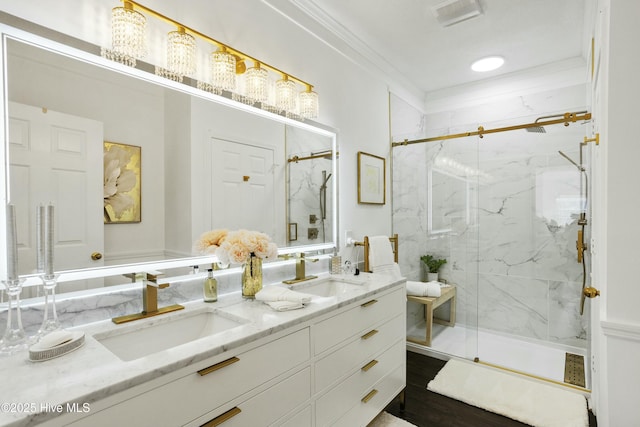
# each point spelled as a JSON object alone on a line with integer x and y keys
{"x": 205, "y": 391}
{"x": 361, "y": 360}
{"x": 341, "y": 367}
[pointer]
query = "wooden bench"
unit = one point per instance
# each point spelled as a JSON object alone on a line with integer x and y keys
{"x": 430, "y": 304}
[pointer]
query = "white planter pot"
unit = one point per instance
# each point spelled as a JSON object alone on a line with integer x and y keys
{"x": 432, "y": 277}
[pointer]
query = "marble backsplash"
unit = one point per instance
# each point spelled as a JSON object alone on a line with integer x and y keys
{"x": 81, "y": 308}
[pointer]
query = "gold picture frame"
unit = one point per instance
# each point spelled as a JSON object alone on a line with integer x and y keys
{"x": 372, "y": 184}
{"x": 122, "y": 183}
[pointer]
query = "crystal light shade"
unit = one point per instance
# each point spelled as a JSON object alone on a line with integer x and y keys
{"x": 128, "y": 31}
{"x": 256, "y": 83}
{"x": 181, "y": 52}
{"x": 286, "y": 94}
{"x": 309, "y": 104}
{"x": 223, "y": 70}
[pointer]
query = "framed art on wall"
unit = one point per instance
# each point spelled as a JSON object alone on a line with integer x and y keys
{"x": 371, "y": 179}
{"x": 122, "y": 183}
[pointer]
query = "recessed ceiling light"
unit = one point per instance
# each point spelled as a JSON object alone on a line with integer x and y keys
{"x": 487, "y": 64}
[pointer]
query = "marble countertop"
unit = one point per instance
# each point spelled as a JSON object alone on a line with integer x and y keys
{"x": 30, "y": 392}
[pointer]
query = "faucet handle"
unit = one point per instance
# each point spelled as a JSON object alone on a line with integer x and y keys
{"x": 302, "y": 257}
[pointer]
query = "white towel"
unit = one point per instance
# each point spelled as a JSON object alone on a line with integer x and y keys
{"x": 392, "y": 270}
{"x": 278, "y": 293}
{"x": 284, "y": 305}
{"x": 422, "y": 289}
{"x": 380, "y": 252}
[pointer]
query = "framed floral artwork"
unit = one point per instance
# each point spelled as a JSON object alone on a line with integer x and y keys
{"x": 372, "y": 186}
{"x": 122, "y": 183}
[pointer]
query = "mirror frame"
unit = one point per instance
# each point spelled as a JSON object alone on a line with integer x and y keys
{"x": 70, "y": 47}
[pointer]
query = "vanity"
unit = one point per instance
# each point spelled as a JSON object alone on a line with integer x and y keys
{"x": 338, "y": 361}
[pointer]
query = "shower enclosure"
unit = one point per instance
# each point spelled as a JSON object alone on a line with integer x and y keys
{"x": 308, "y": 176}
{"x": 506, "y": 210}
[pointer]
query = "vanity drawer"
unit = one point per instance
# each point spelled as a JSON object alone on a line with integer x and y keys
{"x": 354, "y": 321}
{"x": 268, "y": 406}
{"x": 381, "y": 395}
{"x": 301, "y": 419}
{"x": 358, "y": 352}
{"x": 340, "y": 399}
{"x": 193, "y": 395}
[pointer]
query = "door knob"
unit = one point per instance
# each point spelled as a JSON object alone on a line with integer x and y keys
{"x": 591, "y": 292}
{"x": 96, "y": 256}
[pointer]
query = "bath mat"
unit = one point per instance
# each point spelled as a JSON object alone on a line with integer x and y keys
{"x": 385, "y": 419}
{"x": 516, "y": 397}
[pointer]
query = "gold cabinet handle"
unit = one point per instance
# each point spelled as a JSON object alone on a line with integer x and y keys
{"x": 369, "y": 365}
{"x": 218, "y": 366}
{"x": 369, "y": 396}
{"x": 96, "y": 256}
{"x": 369, "y": 334}
{"x": 245, "y": 178}
{"x": 222, "y": 417}
{"x": 369, "y": 303}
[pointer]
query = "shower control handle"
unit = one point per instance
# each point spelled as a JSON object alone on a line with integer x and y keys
{"x": 591, "y": 292}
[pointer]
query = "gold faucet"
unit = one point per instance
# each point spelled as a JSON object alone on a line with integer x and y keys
{"x": 300, "y": 269}
{"x": 149, "y": 298}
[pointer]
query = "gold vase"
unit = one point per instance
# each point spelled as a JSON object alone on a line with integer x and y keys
{"x": 252, "y": 277}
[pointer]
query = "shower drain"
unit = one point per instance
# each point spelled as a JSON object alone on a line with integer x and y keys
{"x": 574, "y": 369}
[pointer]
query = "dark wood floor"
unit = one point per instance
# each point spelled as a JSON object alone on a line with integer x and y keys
{"x": 427, "y": 409}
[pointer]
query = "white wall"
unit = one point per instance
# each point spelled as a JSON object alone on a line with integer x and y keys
{"x": 616, "y": 88}
{"x": 351, "y": 100}
{"x": 130, "y": 113}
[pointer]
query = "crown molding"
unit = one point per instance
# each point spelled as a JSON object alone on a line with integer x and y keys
{"x": 313, "y": 19}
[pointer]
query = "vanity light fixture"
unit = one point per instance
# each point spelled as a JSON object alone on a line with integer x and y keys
{"x": 181, "y": 61}
{"x": 309, "y": 103}
{"x": 128, "y": 35}
{"x": 489, "y": 63}
{"x": 223, "y": 69}
{"x": 286, "y": 94}
{"x": 181, "y": 52}
{"x": 256, "y": 83}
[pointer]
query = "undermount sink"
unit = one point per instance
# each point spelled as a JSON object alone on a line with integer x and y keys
{"x": 162, "y": 333}
{"x": 328, "y": 288}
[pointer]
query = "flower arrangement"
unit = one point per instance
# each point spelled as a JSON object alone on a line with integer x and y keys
{"x": 236, "y": 247}
{"x": 209, "y": 241}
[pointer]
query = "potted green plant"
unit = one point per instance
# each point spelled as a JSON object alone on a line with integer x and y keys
{"x": 432, "y": 265}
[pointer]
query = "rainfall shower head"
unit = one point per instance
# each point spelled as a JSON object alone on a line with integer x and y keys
{"x": 536, "y": 129}
{"x": 325, "y": 154}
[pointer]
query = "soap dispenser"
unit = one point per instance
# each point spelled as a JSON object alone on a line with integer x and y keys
{"x": 210, "y": 287}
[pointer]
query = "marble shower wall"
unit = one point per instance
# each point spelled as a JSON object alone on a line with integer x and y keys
{"x": 304, "y": 181}
{"x": 503, "y": 211}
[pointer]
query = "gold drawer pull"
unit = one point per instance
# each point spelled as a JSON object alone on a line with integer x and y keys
{"x": 369, "y": 365}
{"x": 222, "y": 417}
{"x": 217, "y": 366}
{"x": 368, "y": 303}
{"x": 369, "y": 334}
{"x": 369, "y": 396}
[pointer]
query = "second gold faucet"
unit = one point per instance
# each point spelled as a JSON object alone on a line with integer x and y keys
{"x": 301, "y": 274}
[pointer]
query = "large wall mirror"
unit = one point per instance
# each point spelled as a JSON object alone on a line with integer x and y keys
{"x": 202, "y": 162}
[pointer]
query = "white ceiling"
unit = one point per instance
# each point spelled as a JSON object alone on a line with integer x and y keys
{"x": 403, "y": 41}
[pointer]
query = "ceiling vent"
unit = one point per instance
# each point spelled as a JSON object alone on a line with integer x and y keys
{"x": 453, "y": 11}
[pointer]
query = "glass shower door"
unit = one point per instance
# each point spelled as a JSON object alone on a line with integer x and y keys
{"x": 529, "y": 277}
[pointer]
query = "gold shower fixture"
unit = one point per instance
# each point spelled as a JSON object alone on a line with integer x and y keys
{"x": 128, "y": 40}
